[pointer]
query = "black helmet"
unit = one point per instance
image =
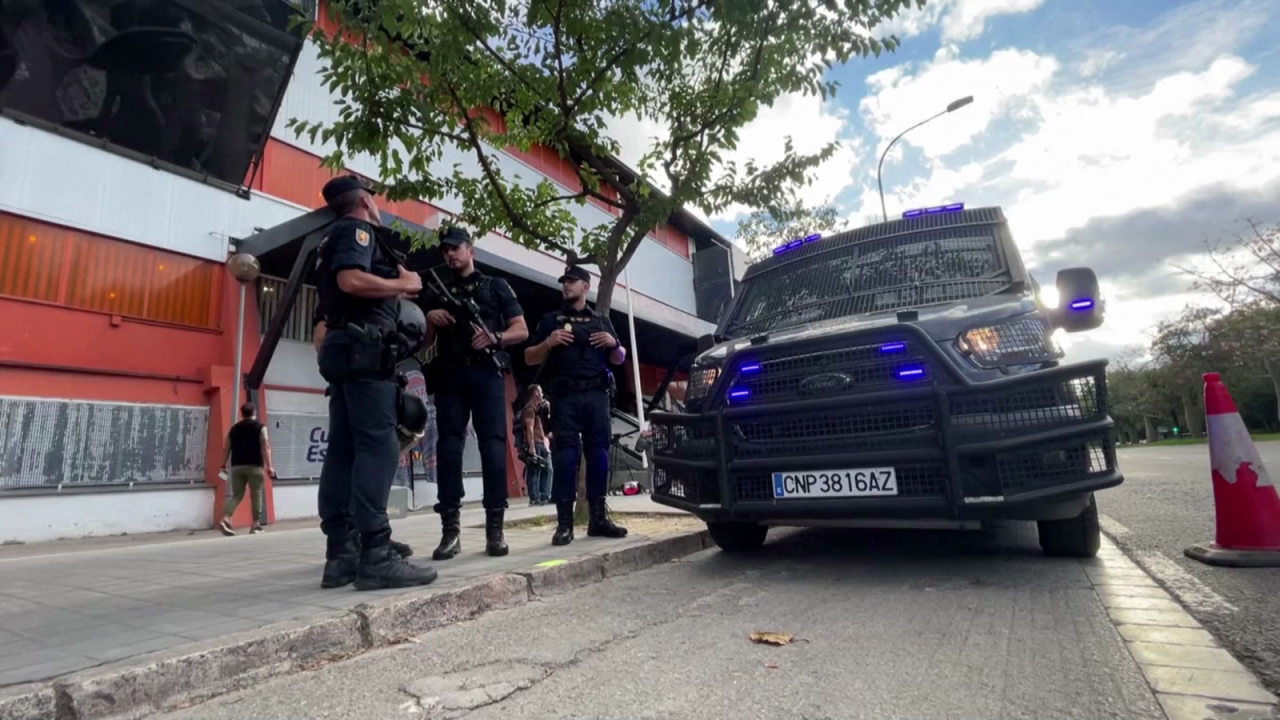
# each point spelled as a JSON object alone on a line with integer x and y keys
{"x": 411, "y": 419}
{"x": 411, "y": 323}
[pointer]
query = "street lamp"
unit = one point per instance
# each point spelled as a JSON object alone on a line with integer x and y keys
{"x": 955, "y": 105}
{"x": 245, "y": 269}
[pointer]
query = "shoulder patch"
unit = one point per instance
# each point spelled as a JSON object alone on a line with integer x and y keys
{"x": 362, "y": 238}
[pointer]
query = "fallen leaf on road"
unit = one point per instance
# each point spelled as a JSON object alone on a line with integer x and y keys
{"x": 771, "y": 638}
{"x": 771, "y": 666}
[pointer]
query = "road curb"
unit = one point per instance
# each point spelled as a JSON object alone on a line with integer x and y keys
{"x": 184, "y": 676}
{"x": 1190, "y": 674}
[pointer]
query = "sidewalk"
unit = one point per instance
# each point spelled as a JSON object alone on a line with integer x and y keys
{"x": 71, "y": 606}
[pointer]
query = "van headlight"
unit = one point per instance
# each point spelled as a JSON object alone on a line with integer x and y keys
{"x": 1021, "y": 341}
{"x": 700, "y": 381}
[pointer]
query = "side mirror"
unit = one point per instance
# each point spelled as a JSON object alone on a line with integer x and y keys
{"x": 1080, "y": 303}
{"x": 705, "y": 343}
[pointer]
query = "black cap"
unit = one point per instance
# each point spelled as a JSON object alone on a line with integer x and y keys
{"x": 454, "y": 236}
{"x": 573, "y": 272}
{"x": 342, "y": 185}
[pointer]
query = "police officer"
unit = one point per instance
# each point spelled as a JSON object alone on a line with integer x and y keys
{"x": 578, "y": 344}
{"x": 360, "y": 285}
{"x": 468, "y": 378}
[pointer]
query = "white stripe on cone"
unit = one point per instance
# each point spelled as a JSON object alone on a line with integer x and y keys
{"x": 1230, "y": 446}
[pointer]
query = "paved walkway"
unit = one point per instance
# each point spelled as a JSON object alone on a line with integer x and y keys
{"x": 71, "y": 606}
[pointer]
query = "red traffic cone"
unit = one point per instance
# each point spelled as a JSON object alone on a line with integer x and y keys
{"x": 1245, "y": 500}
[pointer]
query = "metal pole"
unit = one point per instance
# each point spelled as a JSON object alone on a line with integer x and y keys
{"x": 955, "y": 105}
{"x": 729, "y": 251}
{"x": 235, "y": 394}
{"x": 635, "y": 361}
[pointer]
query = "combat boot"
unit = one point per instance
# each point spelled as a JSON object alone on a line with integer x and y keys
{"x": 401, "y": 549}
{"x": 564, "y": 524}
{"x": 380, "y": 567}
{"x": 600, "y": 525}
{"x": 450, "y": 540}
{"x": 494, "y": 544}
{"x": 341, "y": 556}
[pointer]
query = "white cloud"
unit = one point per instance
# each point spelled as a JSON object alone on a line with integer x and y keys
{"x": 960, "y": 20}
{"x": 1096, "y": 61}
{"x": 999, "y": 84}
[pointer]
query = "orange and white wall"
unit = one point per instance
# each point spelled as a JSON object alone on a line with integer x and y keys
{"x": 115, "y": 307}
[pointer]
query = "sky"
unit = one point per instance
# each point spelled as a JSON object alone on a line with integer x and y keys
{"x": 1118, "y": 135}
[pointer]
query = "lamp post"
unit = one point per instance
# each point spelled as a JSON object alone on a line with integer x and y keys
{"x": 245, "y": 269}
{"x": 955, "y": 105}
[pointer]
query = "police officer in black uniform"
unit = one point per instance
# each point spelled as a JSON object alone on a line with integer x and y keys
{"x": 360, "y": 285}
{"x": 578, "y": 345}
{"x": 468, "y": 378}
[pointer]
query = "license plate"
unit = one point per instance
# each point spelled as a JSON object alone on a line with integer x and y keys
{"x": 835, "y": 483}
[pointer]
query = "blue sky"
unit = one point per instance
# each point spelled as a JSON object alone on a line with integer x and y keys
{"x": 1114, "y": 133}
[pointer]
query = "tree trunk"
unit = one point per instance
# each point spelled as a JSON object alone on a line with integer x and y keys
{"x": 1194, "y": 416}
{"x": 1150, "y": 429}
{"x": 1273, "y": 372}
{"x": 580, "y": 509}
{"x": 604, "y": 293}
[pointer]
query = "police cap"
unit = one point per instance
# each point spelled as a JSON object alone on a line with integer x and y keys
{"x": 454, "y": 236}
{"x": 574, "y": 272}
{"x": 342, "y": 185}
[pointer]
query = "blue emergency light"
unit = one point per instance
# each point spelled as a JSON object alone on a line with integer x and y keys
{"x": 1081, "y": 304}
{"x": 739, "y": 394}
{"x": 797, "y": 243}
{"x": 893, "y": 347}
{"x": 918, "y": 212}
{"x": 749, "y": 368}
{"x": 910, "y": 373}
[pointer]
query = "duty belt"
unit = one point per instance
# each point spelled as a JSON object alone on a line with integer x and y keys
{"x": 571, "y": 384}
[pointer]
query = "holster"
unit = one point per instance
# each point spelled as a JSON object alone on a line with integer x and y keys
{"x": 358, "y": 352}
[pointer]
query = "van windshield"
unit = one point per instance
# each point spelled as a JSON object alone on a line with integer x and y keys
{"x": 835, "y": 279}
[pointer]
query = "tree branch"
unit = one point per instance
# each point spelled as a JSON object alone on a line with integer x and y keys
{"x": 629, "y": 47}
{"x": 491, "y": 176}
{"x": 506, "y": 64}
{"x": 557, "y": 31}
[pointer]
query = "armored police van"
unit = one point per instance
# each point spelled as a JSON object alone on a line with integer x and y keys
{"x": 901, "y": 371}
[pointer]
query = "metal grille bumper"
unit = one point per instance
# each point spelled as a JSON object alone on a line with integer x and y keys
{"x": 955, "y": 444}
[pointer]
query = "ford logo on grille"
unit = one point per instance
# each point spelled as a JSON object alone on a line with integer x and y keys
{"x": 825, "y": 383}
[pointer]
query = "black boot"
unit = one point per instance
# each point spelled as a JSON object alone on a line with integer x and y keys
{"x": 564, "y": 524}
{"x": 450, "y": 542}
{"x": 401, "y": 549}
{"x": 340, "y": 560}
{"x": 494, "y": 544}
{"x": 380, "y": 567}
{"x": 600, "y": 525}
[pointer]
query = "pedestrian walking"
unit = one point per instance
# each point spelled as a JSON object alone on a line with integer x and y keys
{"x": 247, "y": 455}
{"x": 360, "y": 283}
{"x": 467, "y": 376}
{"x": 534, "y": 418}
{"x": 578, "y": 345}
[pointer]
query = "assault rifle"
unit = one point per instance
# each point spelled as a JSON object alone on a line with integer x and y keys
{"x": 466, "y": 310}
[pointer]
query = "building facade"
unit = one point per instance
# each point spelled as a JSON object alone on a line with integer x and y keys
{"x": 119, "y": 316}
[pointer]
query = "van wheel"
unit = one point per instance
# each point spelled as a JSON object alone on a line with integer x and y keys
{"x": 738, "y": 536}
{"x": 1076, "y": 537}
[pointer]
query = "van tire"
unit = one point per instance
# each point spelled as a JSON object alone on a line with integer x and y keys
{"x": 738, "y": 536}
{"x": 1078, "y": 537}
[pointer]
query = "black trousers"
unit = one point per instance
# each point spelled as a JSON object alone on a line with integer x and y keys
{"x": 580, "y": 420}
{"x": 361, "y": 461}
{"x": 477, "y": 393}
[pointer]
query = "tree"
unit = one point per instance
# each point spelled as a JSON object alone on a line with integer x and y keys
{"x": 1246, "y": 276}
{"x": 763, "y": 230}
{"x": 414, "y": 79}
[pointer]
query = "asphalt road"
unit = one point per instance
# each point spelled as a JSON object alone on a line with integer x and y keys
{"x": 1166, "y": 505}
{"x": 923, "y": 624}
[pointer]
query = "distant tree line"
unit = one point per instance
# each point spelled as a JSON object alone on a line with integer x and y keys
{"x": 1239, "y": 339}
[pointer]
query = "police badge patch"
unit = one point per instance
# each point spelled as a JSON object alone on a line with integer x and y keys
{"x": 362, "y": 238}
